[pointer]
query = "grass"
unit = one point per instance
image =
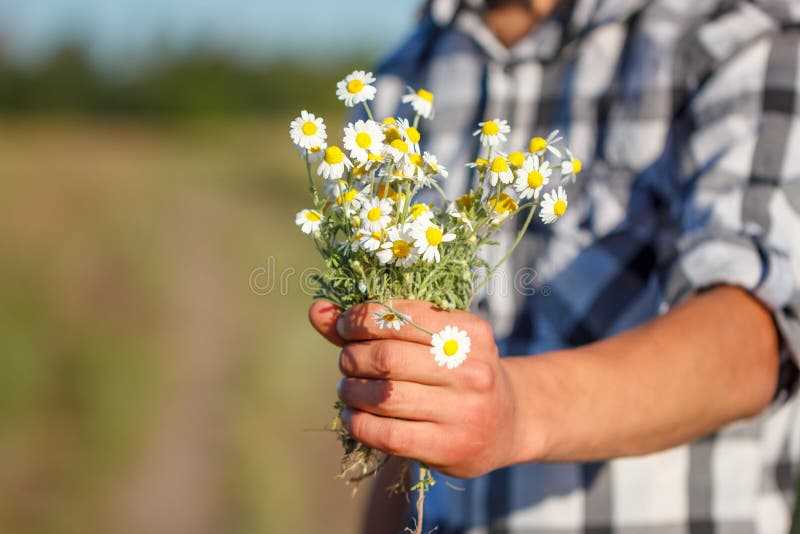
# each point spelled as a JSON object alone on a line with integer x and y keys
{"x": 145, "y": 386}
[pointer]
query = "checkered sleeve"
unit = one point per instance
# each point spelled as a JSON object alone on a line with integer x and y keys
{"x": 739, "y": 218}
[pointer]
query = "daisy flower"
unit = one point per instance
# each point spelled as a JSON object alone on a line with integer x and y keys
{"x": 308, "y": 131}
{"x": 421, "y": 101}
{"x": 420, "y": 212}
{"x": 502, "y": 207}
{"x": 516, "y": 159}
{"x": 538, "y": 145}
{"x": 433, "y": 164}
{"x": 350, "y": 198}
{"x": 450, "y": 347}
{"x": 369, "y": 241}
{"x": 534, "y": 174}
{"x": 398, "y": 150}
{"x": 309, "y": 221}
{"x": 409, "y": 134}
{"x": 499, "y": 170}
{"x": 333, "y": 163}
{"x": 314, "y": 153}
{"x": 388, "y": 319}
{"x": 362, "y": 139}
{"x": 479, "y": 163}
{"x": 554, "y": 205}
{"x": 376, "y": 213}
{"x": 398, "y": 247}
{"x": 493, "y": 132}
{"x": 356, "y": 88}
{"x": 415, "y": 170}
{"x": 427, "y": 238}
{"x": 570, "y": 167}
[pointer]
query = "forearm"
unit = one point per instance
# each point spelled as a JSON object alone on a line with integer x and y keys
{"x": 708, "y": 362}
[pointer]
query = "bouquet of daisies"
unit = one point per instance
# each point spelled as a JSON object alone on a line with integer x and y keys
{"x": 381, "y": 240}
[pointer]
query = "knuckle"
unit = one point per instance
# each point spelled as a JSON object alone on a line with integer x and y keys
{"x": 394, "y": 440}
{"x": 483, "y": 330}
{"x": 382, "y": 358}
{"x": 480, "y": 376}
{"x": 348, "y": 364}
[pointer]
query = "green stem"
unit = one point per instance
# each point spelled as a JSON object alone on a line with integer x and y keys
{"x": 369, "y": 111}
{"x": 510, "y": 251}
{"x": 406, "y": 318}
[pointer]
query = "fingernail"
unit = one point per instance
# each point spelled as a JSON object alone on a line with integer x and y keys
{"x": 339, "y": 388}
{"x": 340, "y": 326}
{"x": 346, "y": 416}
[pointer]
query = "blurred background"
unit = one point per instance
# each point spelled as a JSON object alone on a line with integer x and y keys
{"x": 158, "y": 375}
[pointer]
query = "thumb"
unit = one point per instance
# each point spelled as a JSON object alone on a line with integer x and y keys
{"x": 323, "y": 316}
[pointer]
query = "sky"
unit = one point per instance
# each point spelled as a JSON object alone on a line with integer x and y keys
{"x": 122, "y": 30}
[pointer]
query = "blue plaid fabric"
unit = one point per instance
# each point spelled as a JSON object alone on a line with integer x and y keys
{"x": 687, "y": 116}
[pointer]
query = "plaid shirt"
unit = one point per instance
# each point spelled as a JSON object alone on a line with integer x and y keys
{"x": 685, "y": 113}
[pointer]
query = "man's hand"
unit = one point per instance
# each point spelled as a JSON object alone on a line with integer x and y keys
{"x": 460, "y": 421}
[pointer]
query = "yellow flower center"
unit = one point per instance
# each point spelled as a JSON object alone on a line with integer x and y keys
{"x": 433, "y": 235}
{"x": 309, "y": 128}
{"x": 499, "y": 164}
{"x": 418, "y": 209}
{"x": 363, "y": 140}
{"x": 355, "y": 86}
{"x": 416, "y": 159}
{"x": 577, "y": 165}
{"x": 333, "y": 155}
{"x": 505, "y": 204}
{"x": 535, "y": 179}
{"x": 516, "y": 159}
{"x": 464, "y": 201}
{"x": 374, "y": 214}
{"x": 374, "y": 156}
{"x": 425, "y": 95}
{"x": 491, "y": 128}
{"x": 377, "y": 235}
{"x": 560, "y": 207}
{"x": 359, "y": 170}
{"x": 413, "y": 134}
{"x": 537, "y": 144}
{"x": 400, "y": 146}
{"x": 401, "y": 249}
{"x": 347, "y": 197}
{"x": 481, "y": 163}
{"x": 315, "y": 149}
{"x": 389, "y": 121}
{"x": 389, "y": 317}
{"x": 450, "y": 347}
{"x": 391, "y": 134}
{"x": 313, "y": 216}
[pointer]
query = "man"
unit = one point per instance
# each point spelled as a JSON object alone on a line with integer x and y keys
{"x": 654, "y": 388}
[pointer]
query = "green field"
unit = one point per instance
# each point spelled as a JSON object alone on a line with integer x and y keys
{"x": 145, "y": 386}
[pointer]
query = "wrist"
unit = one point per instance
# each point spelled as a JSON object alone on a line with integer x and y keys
{"x": 534, "y": 418}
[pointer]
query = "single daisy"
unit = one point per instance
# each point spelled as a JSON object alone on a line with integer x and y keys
{"x": 450, "y": 347}
{"x": 398, "y": 248}
{"x": 499, "y": 170}
{"x": 363, "y": 139}
{"x": 356, "y": 88}
{"x": 421, "y": 101}
{"x": 376, "y": 214}
{"x": 427, "y": 238}
{"x": 390, "y": 320}
{"x": 570, "y": 167}
{"x": 309, "y": 221}
{"x": 398, "y": 150}
{"x": 314, "y": 153}
{"x": 369, "y": 241}
{"x": 308, "y": 131}
{"x": 409, "y": 134}
{"x": 532, "y": 177}
{"x": 502, "y": 207}
{"x": 538, "y": 145}
{"x": 433, "y": 164}
{"x": 479, "y": 163}
{"x": 516, "y": 159}
{"x": 350, "y": 198}
{"x": 493, "y": 132}
{"x": 420, "y": 213}
{"x": 415, "y": 170}
{"x": 554, "y": 205}
{"x": 333, "y": 163}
